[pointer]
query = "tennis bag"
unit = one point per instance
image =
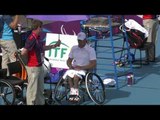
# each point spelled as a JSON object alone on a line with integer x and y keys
{"x": 137, "y": 35}
{"x": 136, "y": 38}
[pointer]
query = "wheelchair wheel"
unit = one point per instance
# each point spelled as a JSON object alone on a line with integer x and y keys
{"x": 95, "y": 88}
{"x": 7, "y": 93}
{"x": 61, "y": 91}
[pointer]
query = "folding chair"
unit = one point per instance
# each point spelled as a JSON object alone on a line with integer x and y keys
{"x": 146, "y": 47}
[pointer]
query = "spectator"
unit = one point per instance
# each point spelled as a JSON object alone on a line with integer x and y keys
{"x": 7, "y": 43}
{"x": 151, "y": 24}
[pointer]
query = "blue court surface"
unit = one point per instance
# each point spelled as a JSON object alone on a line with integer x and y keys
{"x": 145, "y": 91}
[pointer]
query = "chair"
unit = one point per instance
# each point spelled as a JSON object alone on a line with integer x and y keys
{"x": 11, "y": 87}
{"x": 137, "y": 39}
{"x": 3, "y": 73}
{"x": 146, "y": 47}
{"x": 91, "y": 85}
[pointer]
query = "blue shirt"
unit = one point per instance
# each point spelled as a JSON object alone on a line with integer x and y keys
{"x": 6, "y": 32}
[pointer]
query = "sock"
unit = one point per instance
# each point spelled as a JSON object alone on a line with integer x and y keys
{"x": 76, "y": 91}
{"x": 72, "y": 92}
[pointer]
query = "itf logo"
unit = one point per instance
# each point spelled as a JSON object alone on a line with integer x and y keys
{"x": 59, "y": 50}
{"x": 59, "y": 55}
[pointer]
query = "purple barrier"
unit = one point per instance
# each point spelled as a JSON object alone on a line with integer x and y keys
{"x": 61, "y": 27}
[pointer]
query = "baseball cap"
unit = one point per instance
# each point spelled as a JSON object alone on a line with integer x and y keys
{"x": 81, "y": 36}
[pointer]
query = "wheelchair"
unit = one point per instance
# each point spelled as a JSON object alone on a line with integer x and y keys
{"x": 11, "y": 92}
{"x": 7, "y": 93}
{"x": 12, "y": 87}
{"x": 91, "y": 85}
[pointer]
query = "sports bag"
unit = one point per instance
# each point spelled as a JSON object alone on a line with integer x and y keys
{"x": 137, "y": 35}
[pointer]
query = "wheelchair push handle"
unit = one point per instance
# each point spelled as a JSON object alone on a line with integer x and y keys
{"x": 18, "y": 52}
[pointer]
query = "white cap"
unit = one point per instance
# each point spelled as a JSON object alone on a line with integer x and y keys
{"x": 81, "y": 36}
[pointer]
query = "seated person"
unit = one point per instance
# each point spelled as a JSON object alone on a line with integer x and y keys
{"x": 82, "y": 58}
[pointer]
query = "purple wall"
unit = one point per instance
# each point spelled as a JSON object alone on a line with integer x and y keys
{"x": 75, "y": 26}
{"x": 69, "y": 27}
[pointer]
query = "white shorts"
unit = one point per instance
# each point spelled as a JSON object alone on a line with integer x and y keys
{"x": 72, "y": 73}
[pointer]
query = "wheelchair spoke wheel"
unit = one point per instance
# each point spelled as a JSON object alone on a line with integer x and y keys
{"x": 7, "y": 93}
{"x": 95, "y": 88}
{"x": 61, "y": 91}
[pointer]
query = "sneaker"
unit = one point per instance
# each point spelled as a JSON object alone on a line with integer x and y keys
{"x": 71, "y": 98}
{"x": 77, "y": 98}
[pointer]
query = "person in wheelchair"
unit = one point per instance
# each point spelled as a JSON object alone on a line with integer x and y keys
{"x": 82, "y": 58}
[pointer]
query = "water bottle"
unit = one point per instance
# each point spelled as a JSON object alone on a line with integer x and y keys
{"x": 132, "y": 77}
{"x": 19, "y": 28}
{"x": 129, "y": 80}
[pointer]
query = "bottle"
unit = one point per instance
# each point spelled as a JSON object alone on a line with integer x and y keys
{"x": 132, "y": 76}
{"x": 129, "y": 79}
{"x": 19, "y": 28}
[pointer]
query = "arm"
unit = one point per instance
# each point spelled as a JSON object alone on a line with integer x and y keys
{"x": 14, "y": 23}
{"x": 69, "y": 63}
{"x": 91, "y": 65}
{"x": 52, "y": 46}
{"x": 24, "y": 51}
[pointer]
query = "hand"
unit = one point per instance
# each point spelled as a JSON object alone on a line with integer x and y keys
{"x": 16, "y": 54}
{"x": 78, "y": 67}
{"x": 58, "y": 43}
{"x": 71, "y": 67}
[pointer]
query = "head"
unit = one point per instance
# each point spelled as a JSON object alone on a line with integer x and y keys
{"x": 81, "y": 37}
{"x": 37, "y": 26}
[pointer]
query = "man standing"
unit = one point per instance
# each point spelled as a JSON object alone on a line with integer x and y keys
{"x": 151, "y": 24}
{"x": 34, "y": 49}
{"x": 7, "y": 43}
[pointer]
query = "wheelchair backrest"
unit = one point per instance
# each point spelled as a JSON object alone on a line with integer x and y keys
{"x": 3, "y": 73}
{"x": 20, "y": 71}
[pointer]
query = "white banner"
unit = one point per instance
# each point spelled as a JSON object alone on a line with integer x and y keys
{"x": 58, "y": 56}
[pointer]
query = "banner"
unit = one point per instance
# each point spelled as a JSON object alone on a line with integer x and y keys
{"x": 58, "y": 56}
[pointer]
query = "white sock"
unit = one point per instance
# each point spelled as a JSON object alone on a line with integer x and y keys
{"x": 72, "y": 92}
{"x": 76, "y": 91}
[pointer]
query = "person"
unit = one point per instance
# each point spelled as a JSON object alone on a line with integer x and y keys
{"x": 151, "y": 24}
{"x": 34, "y": 49}
{"x": 82, "y": 58}
{"x": 7, "y": 43}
